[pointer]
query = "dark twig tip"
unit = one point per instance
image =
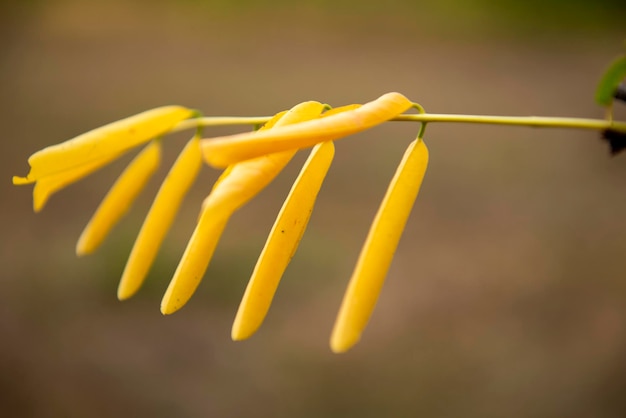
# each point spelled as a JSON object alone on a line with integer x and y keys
{"x": 620, "y": 93}
{"x": 616, "y": 140}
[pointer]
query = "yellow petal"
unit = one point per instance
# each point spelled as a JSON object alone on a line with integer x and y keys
{"x": 282, "y": 242}
{"x": 113, "y": 138}
{"x": 377, "y": 253}
{"x": 241, "y": 184}
{"x": 223, "y": 151}
{"x": 51, "y": 184}
{"x": 119, "y": 198}
{"x": 160, "y": 217}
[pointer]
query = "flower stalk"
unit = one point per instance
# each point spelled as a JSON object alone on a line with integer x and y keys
{"x": 521, "y": 121}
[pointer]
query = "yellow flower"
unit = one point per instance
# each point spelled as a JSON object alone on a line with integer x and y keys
{"x": 59, "y": 165}
{"x": 282, "y": 242}
{"x": 119, "y": 199}
{"x": 221, "y": 152}
{"x": 252, "y": 160}
{"x": 160, "y": 218}
{"x": 382, "y": 241}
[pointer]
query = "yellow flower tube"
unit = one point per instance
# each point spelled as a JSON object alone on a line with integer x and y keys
{"x": 113, "y": 138}
{"x": 119, "y": 198}
{"x": 240, "y": 183}
{"x": 160, "y": 217}
{"x": 282, "y": 242}
{"x": 223, "y": 151}
{"x": 377, "y": 253}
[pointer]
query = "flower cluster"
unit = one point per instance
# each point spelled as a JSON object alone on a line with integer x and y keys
{"x": 251, "y": 161}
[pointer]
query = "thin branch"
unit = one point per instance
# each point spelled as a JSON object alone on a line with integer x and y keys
{"x": 532, "y": 121}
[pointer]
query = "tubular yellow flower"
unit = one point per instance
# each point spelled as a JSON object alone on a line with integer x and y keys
{"x": 377, "y": 253}
{"x": 240, "y": 184}
{"x": 223, "y": 151}
{"x": 282, "y": 242}
{"x": 113, "y": 138}
{"x": 58, "y": 166}
{"x": 160, "y": 217}
{"x": 119, "y": 198}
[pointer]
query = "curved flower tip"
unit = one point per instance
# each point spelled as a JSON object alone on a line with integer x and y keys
{"x": 119, "y": 198}
{"x": 194, "y": 262}
{"x": 282, "y": 242}
{"x": 60, "y": 165}
{"x": 223, "y": 151}
{"x": 236, "y": 186}
{"x": 20, "y": 181}
{"x": 47, "y": 186}
{"x": 381, "y": 243}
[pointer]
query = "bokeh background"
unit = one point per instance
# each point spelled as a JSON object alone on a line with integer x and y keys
{"x": 507, "y": 296}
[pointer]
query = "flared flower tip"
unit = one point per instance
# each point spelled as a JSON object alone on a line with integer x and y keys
{"x": 20, "y": 181}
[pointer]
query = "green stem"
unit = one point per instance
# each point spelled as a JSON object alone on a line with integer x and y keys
{"x": 219, "y": 121}
{"x": 534, "y": 121}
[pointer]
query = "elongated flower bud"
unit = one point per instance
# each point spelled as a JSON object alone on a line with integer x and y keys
{"x": 223, "y": 151}
{"x": 160, "y": 218}
{"x": 377, "y": 253}
{"x": 120, "y": 198}
{"x": 94, "y": 145}
{"x": 282, "y": 242}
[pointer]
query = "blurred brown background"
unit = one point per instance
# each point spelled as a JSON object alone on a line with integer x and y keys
{"x": 507, "y": 296}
